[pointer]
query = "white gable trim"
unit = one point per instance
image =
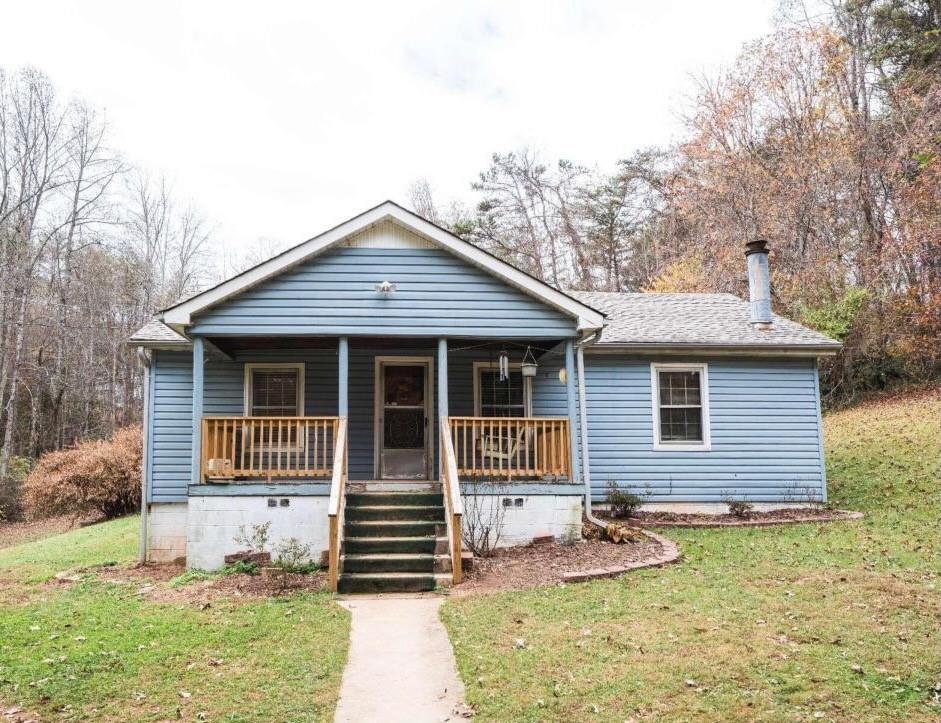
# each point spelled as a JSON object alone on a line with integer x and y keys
{"x": 180, "y": 316}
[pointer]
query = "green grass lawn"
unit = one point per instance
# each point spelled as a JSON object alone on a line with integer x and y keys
{"x": 836, "y": 621}
{"x": 96, "y": 650}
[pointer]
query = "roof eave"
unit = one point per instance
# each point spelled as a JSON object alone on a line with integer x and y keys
{"x": 793, "y": 350}
{"x": 160, "y": 345}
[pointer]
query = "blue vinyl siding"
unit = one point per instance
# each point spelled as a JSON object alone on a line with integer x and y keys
{"x": 764, "y": 425}
{"x": 171, "y": 412}
{"x": 436, "y": 294}
{"x": 764, "y": 419}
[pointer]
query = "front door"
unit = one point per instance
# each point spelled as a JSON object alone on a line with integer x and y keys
{"x": 403, "y": 417}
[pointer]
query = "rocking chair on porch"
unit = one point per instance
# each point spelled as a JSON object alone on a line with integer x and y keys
{"x": 500, "y": 448}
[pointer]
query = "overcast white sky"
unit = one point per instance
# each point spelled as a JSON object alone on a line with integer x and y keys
{"x": 279, "y": 120}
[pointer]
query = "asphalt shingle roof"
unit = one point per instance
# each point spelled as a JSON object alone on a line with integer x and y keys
{"x": 693, "y": 320}
{"x": 669, "y": 320}
{"x": 156, "y": 332}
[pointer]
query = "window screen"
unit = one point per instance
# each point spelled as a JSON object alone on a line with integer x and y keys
{"x": 274, "y": 393}
{"x": 680, "y": 406}
{"x": 502, "y": 399}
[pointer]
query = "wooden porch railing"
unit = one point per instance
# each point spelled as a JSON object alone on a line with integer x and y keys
{"x": 268, "y": 447}
{"x": 511, "y": 447}
{"x": 453, "y": 504}
{"x": 336, "y": 505}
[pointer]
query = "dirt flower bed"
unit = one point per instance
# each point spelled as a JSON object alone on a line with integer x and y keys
{"x": 542, "y": 565}
{"x": 163, "y": 584}
{"x": 773, "y": 517}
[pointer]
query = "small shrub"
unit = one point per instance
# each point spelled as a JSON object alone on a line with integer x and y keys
{"x": 240, "y": 568}
{"x": 622, "y": 504}
{"x": 255, "y": 537}
{"x": 96, "y": 476}
{"x": 484, "y": 510}
{"x": 293, "y": 555}
{"x": 191, "y": 576}
{"x": 739, "y": 508}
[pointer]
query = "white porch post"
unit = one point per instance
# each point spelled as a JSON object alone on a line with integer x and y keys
{"x": 570, "y": 398}
{"x": 198, "y": 372}
{"x": 442, "y": 389}
{"x": 343, "y": 374}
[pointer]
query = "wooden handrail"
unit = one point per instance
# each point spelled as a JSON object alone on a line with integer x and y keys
{"x": 453, "y": 503}
{"x": 247, "y": 447}
{"x": 505, "y": 448}
{"x": 336, "y": 504}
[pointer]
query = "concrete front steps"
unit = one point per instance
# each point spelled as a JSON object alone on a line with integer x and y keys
{"x": 394, "y": 540}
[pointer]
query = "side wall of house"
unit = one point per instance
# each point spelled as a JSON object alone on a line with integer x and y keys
{"x": 765, "y": 430}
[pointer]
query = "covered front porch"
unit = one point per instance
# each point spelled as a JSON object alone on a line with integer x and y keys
{"x": 270, "y": 410}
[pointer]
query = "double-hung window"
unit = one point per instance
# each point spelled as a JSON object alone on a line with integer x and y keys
{"x": 275, "y": 390}
{"x": 680, "y": 395}
{"x": 494, "y": 397}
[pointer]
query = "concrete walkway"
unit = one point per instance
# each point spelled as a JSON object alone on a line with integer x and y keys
{"x": 401, "y": 667}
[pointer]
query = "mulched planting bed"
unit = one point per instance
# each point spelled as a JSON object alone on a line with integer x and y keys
{"x": 154, "y": 583}
{"x": 749, "y": 519}
{"x": 542, "y": 565}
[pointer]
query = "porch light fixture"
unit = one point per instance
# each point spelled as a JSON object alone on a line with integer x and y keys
{"x": 385, "y": 287}
{"x": 529, "y": 365}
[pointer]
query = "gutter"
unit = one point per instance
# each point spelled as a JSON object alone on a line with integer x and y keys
{"x": 145, "y": 359}
{"x": 583, "y": 427}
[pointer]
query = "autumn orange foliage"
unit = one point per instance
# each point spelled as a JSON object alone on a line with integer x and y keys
{"x": 95, "y": 476}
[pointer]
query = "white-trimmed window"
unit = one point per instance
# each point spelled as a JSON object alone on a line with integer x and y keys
{"x": 274, "y": 390}
{"x": 495, "y": 398}
{"x": 680, "y": 394}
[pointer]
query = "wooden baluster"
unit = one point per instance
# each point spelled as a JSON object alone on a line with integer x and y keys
{"x": 316, "y": 447}
{"x": 232, "y": 445}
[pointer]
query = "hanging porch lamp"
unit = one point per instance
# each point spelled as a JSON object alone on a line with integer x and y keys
{"x": 529, "y": 366}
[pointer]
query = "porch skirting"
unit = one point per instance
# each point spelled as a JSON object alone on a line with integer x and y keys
{"x": 528, "y": 516}
{"x": 202, "y": 529}
{"x": 214, "y": 521}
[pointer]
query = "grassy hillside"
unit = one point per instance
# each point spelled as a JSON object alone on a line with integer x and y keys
{"x": 811, "y": 622}
{"x": 96, "y": 650}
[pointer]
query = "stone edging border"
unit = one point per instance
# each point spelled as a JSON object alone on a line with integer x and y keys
{"x": 848, "y": 515}
{"x": 669, "y": 553}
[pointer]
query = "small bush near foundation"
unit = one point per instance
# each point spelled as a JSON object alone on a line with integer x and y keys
{"x": 240, "y": 568}
{"x": 622, "y": 504}
{"x": 191, "y": 576}
{"x": 254, "y": 537}
{"x": 739, "y": 508}
{"x": 97, "y": 476}
{"x": 292, "y": 555}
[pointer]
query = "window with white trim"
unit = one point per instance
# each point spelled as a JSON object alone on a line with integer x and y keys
{"x": 681, "y": 406}
{"x": 274, "y": 390}
{"x": 494, "y": 397}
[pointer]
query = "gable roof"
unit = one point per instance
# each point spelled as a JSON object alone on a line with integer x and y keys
{"x": 180, "y": 314}
{"x": 679, "y": 322}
